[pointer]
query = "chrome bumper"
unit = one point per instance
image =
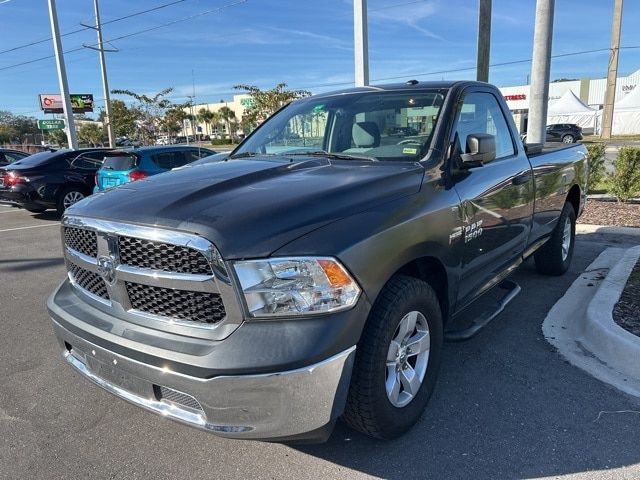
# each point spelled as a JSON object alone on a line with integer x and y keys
{"x": 276, "y": 406}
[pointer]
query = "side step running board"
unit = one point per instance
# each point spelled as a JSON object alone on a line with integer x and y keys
{"x": 512, "y": 290}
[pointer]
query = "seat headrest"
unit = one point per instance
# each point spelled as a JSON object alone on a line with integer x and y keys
{"x": 365, "y": 134}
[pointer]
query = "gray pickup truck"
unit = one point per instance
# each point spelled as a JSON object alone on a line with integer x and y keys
{"x": 316, "y": 273}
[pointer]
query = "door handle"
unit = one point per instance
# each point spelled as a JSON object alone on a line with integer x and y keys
{"x": 521, "y": 179}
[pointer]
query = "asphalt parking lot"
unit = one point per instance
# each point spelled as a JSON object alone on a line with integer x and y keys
{"x": 507, "y": 405}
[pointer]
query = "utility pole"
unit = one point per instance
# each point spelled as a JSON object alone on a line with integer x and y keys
{"x": 62, "y": 76}
{"x": 105, "y": 83}
{"x": 610, "y": 94}
{"x": 540, "y": 67}
{"x": 361, "y": 42}
{"x": 484, "y": 40}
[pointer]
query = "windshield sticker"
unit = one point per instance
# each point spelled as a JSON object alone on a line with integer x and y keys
{"x": 409, "y": 151}
{"x": 318, "y": 108}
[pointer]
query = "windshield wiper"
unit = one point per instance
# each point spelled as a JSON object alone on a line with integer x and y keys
{"x": 337, "y": 156}
{"x": 244, "y": 155}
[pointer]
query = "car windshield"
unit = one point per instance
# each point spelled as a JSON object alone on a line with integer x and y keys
{"x": 386, "y": 126}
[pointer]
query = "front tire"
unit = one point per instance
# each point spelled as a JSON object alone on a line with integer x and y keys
{"x": 397, "y": 360}
{"x": 554, "y": 257}
{"x": 568, "y": 139}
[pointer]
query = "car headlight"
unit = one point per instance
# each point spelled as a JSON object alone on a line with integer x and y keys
{"x": 296, "y": 286}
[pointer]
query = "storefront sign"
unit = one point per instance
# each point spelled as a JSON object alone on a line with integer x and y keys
{"x": 80, "y": 103}
{"x": 50, "y": 124}
{"x": 517, "y": 96}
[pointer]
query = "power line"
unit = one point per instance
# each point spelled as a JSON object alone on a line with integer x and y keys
{"x": 442, "y": 72}
{"x": 73, "y": 32}
{"x": 139, "y": 32}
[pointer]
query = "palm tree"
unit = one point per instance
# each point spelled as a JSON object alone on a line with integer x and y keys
{"x": 228, "y": 116}
{"x": 206, "y": 116}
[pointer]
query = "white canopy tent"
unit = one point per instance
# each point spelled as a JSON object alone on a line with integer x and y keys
{"x": 570, "y": 109}
{"x": 626, "y": 114}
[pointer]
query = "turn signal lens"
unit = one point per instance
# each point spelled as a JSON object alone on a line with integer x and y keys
{"x": 335, "y": 273}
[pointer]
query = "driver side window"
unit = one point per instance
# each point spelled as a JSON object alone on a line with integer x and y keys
{"x": 481, "y": 113}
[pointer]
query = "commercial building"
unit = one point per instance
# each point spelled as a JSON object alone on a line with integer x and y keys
{"x": 238, "y": 105}
{"x": 589, "y": 91}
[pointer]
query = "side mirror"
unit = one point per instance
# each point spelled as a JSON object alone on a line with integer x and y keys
{"x": 481, "y": 149}
{"x": 533, "y": 148}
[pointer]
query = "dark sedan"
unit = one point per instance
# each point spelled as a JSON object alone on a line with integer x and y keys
{"x": 51, "y": 179}
{"x": 8, "y": 156}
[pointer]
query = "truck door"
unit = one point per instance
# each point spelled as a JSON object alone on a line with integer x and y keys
{"x": 496, "y": 199}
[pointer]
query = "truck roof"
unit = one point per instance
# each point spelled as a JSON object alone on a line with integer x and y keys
{"x": 408, "y": 85}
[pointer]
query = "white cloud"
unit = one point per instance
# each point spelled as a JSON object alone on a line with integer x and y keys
{"x": 411, "y": 15}
{"x": 327, "y": 41}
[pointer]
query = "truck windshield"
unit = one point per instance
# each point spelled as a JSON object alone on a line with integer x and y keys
{"x": 378, "y": 125}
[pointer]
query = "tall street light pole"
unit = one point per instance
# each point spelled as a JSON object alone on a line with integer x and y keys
{"x": 484, "y": 40}
{"x": 540, "y": 68}
{"x": 361, "y": 42}
{"x": 62, "y": 76}
{"x": 612, "y": 75}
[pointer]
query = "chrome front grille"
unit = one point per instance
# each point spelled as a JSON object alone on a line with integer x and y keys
{"x": 81, "y": 240}
{"x": 192, "y": 306}
{"x": 89, "y": 281}
{"x": 139, "y": 252}
{"x": 161, "y": 278}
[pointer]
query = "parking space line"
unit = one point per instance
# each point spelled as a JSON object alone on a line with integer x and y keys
{"x": 32, "y": 226}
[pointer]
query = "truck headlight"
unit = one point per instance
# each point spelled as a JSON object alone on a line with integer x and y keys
{"x": 296, "y": 286}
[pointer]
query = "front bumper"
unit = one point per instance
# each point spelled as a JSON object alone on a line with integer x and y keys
{"x": 300, "y": 404}
{"x": 278, "y": 399}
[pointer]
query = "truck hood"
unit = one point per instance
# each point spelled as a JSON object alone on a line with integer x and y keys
{"x": 251, "y": 207}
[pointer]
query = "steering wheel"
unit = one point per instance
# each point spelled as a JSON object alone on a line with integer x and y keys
{"x": 408, "y": 141}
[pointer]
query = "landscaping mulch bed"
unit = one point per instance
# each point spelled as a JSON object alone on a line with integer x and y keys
{"x": 617, "y": 214}
{"x": 626, "y": 312}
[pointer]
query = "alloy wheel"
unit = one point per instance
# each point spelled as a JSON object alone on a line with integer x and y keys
{"x": 407, "y": 359}
{"x": 71, "y": 197}
{"x": 566, "y": 238}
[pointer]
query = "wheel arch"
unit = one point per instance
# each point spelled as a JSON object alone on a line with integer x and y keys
{"x": 574, "y": 198}
{"x": 432, "y": 271}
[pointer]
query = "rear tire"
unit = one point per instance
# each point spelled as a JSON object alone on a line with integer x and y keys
{"x": 374, "y": 406}
{"x": 554, "y": 257}
{"x": 68, "y": 197}
{"x": 568, "y": 139}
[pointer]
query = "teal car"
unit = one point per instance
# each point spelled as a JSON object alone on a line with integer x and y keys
{"x": 124, "y": 166}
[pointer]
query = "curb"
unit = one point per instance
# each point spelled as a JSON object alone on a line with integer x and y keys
{"x": 603, "y": 336}
{"x": 576, "y": 322}
{"x": 603, "y": 197}
{"x": 582, "y": 228}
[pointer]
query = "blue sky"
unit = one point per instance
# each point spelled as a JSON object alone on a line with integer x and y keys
{"x": 305, "y": 43}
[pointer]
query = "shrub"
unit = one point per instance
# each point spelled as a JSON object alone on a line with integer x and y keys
{"x": 624, "y": 183}
{"x": 595, "y": 159}
{"x": 221, "y": 141}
